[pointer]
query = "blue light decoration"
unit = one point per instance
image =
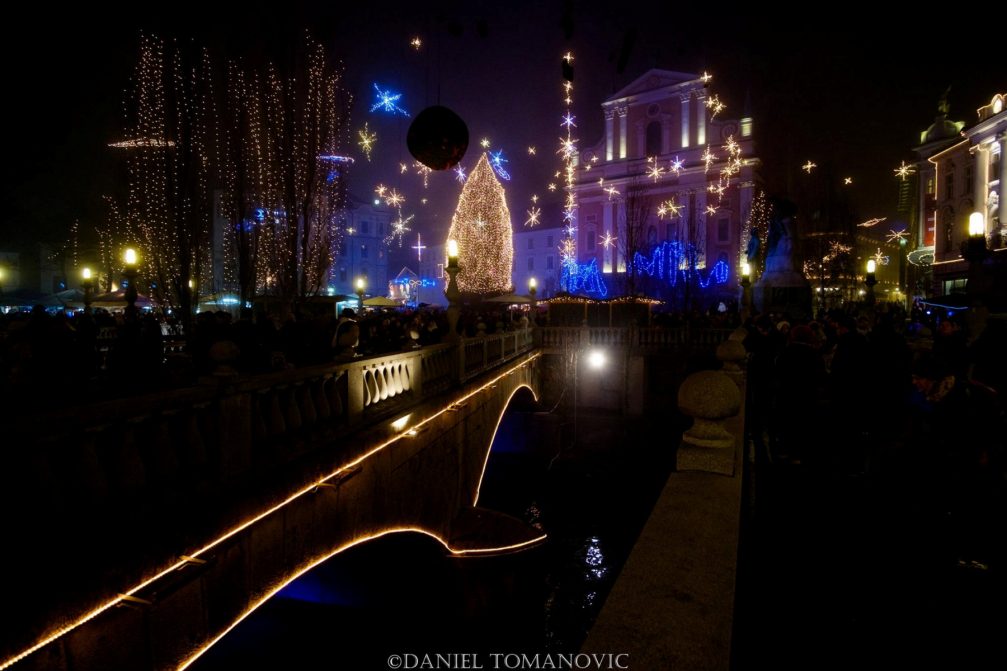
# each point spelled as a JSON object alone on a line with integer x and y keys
{"x": 496, "y": 161}
{"x": 675, "y": 260}
{"x": 422, "y": 282}
{"x": 460, "y": 173}
{"x": 386, "y": 102}
{"x": 582, "y": 277}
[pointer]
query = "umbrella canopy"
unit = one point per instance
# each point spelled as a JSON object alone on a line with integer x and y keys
{"x": 381, "y": 302}
{"x": 117, "y": 299}
{"x": 510, "y": 299}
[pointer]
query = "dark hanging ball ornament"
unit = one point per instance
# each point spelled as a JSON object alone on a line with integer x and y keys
{"x": 438, "y": 138}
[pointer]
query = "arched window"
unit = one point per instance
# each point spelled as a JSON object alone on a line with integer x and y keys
{"x": 654, "y": 138}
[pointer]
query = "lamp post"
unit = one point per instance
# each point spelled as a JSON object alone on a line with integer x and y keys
{"x": 975, "y": 252}
{"x": 746, "y": 291}
{"x": 361, "y": 285}
{"x": 1, "y": 281}
{"x": 532, "y": 290}
{"x": 129, "y": 259}
{"x": 452, "y": 293}
{"x": 87, "y": 281}
{"x": 870, "y": 281}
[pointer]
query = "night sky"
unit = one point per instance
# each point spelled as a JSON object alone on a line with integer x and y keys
{"x": 851, "y": 93}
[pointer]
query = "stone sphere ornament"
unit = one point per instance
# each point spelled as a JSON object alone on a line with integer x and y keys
{"x": 709, "y": 397}
{"x": 438, "y": 138}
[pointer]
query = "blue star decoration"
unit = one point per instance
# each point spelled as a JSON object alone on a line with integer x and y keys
{"x": 496, "y": 161}
{"x": 386, "y": 102}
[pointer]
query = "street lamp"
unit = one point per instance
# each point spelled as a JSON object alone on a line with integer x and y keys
{"x": 361, "y": 285}
{"x": 871, "y": 280}
{"x": 746, "y": 290}
{"x": 975, "y": 252}
{"x": 87, "y": 281}
{"x": 532, "y": 290}
{"x": 452, "y": 293}
{"x": 129, "y": 258}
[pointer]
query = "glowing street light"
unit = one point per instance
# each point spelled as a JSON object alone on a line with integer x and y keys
{"x": 130, "y": 259}
{"x": 87, "y": 281}
{"x": 361, "y": 285}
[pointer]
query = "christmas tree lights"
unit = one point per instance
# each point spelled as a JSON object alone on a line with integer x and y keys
{"x": 482, "y": 227}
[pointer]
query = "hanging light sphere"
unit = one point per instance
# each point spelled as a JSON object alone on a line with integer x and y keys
{"x": 438, "y": 138}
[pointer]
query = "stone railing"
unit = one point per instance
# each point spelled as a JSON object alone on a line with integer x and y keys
{"x": 643, "y": 338}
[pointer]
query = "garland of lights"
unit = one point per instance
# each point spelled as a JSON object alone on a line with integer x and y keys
{"x": 675, "y": 260}
{"x": 482, "y": 227}
{"x": 583, "y": 277}
{"x": 574, "y": 276}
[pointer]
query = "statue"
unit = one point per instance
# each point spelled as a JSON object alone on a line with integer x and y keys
{"x": 752, "y": 252}
{"x": 783, "y": 288}
{"x": 780, "y": 243}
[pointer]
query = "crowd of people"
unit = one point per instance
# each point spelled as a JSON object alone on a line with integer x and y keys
{"x": 890, "y": 396}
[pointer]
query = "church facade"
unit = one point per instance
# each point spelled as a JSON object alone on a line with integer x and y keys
{"x": 663, "y": 197}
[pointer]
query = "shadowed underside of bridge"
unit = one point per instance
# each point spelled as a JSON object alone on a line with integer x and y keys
{"x": 416, "y": 471}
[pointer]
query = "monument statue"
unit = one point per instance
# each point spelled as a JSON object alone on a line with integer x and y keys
{"x": 783, "y": 288}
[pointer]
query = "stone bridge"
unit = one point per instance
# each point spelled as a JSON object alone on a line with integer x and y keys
{"x": 148, "y": 527}
{"x": 151, "y": 526}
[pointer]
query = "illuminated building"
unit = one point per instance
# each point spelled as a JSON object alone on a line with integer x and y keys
{"x": 670, "y": 184}
{"x": 361, "y": 250}
{"x": 961, "y": 171}
{"x": 536, "y": 254}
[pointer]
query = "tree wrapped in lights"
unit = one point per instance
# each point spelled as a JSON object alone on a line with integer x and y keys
{"x": 482, "y": 227}
{"x": 170, "y": 143}
{"x": 283, "y": 173}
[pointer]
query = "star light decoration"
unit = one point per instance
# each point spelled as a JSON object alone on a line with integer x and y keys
{"x": 903, "y": 171}
{"x": 497, "y": 160}
{"x": 367, "y": 140}
{"x": 387, "y": 102}
{"x": 399, "y": 228}
{"x": 880, "y": 258}
{"x": 709, "y": 158}
{"x": 654, "y": 171}
{"x": 676, "y": 166}
{"x": 568, "y": 152}
{"x": 533, "y": 217}
{"x": 416, "y": 43}
{"x": 608, "y": 240}
{"x": 706, "y": 77}
{"x": 669, "y": 208}
{"x": 847, "y": 181}
{"x": 460, "y": 173}
{"x": 897, "y": 236}
{"x": 612, "y": 192}
{"x": 871, "y": 222}
{"x": 532, "y": 151}
{"x": 484, "y": 143}
{"x": 715, "y": 106}
{"x": 419, "y": 247}
{"x": 809, "y": 166}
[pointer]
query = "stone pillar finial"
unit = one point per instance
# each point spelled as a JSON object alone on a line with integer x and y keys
{"x": 709, "y": 397}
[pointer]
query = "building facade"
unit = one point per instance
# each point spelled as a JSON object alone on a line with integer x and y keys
{"x": 962, "y": 170}
{"x": 362, "y": 251}
{"x": 667, "y": 189}
{"x": 536, "y": 254}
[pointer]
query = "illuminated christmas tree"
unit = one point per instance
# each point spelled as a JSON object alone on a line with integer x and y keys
{"x": 482, "y": 227}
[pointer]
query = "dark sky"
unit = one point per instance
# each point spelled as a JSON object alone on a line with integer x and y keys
{"x": 851, "y": 92}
